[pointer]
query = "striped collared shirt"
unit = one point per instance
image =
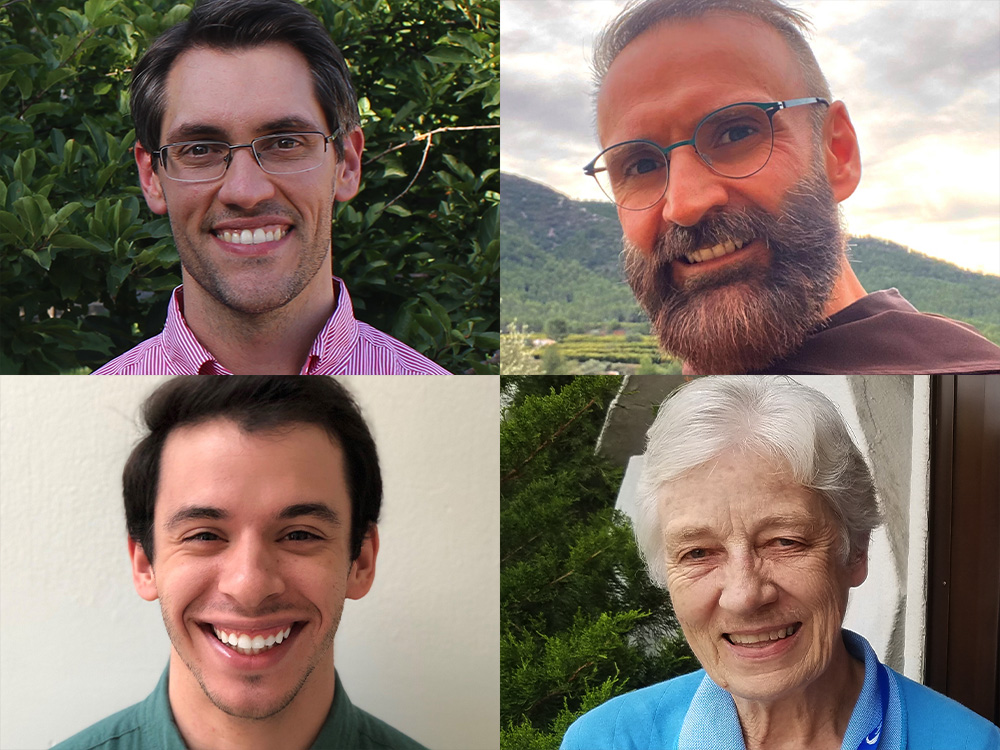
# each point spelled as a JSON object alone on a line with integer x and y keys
{"x": 345, "y": 346}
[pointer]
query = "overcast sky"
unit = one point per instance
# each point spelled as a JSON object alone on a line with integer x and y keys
{"x": 921, "y": 80}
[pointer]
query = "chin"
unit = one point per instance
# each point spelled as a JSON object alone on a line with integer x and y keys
{"x": 255, "y": 699}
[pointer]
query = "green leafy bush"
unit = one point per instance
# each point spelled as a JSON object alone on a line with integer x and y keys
{"x": 580, "y": 621}
{"x": 87, "y": 270}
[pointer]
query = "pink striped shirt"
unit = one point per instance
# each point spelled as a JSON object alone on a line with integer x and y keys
{"x": 345, "y": 346}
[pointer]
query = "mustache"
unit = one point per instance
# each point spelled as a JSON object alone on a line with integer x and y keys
{"x": 736, "y": 224}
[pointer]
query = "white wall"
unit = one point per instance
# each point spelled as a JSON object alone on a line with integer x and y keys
{"x": 889, "y": 417}
{"x": 420, "y": 651}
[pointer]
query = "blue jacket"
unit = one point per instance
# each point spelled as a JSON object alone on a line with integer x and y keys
{"x": 693, "y": 713}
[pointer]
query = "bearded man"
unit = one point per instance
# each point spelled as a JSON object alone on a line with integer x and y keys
{"x": 733, "y": 240}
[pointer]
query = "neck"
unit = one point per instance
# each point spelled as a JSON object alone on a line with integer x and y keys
{"x": 846, "y": 290}
{"x": 814, "y": 717}
{"x": 203, "y": 726}
{"x": 271, "y": 343}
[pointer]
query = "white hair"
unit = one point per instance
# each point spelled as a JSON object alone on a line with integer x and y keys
{"x": 776, "y": 419}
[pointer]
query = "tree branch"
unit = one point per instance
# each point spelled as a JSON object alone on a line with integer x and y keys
{"x": 514, "y": 472}
{"x": 423, "y": 136}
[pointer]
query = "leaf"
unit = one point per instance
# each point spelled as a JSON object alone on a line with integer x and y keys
{"x": 73, "y": 241}
{"x": 458, "y": 167}
{"x": 42, "y": 257}
{"x": 450, "y": 56}
{"x": 31, "y": 215}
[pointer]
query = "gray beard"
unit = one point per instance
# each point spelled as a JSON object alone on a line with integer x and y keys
{"x": 746, "y": 317}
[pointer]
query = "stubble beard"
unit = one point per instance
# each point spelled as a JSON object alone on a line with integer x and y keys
{"x": 251, "y": 300}
{"x": 746, "y": 317}
{"x": 254, "y": 710}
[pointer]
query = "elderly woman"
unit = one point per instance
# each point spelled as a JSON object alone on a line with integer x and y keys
{"x": 755, "y": 511}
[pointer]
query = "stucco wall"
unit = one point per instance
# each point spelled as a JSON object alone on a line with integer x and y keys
{"x": 420, "y": 651}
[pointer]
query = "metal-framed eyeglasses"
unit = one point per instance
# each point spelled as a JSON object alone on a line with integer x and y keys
{"x": 280, "y": 153}
{"x": 734, "y": 141}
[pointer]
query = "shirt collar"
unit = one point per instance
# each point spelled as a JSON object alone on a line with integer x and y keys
{"x": 712, "y": 721}
{"x": 333, "y": 343}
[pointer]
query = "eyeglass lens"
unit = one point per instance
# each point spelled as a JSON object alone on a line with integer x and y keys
{"x": 734, "y": 142}
{"x": 285, "y": 153}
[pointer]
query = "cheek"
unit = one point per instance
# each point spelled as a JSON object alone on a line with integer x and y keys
{"x": 642, "y": 228}
{"x": 693, "y": 600}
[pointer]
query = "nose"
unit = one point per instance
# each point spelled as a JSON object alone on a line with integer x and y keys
{"x": 693, "y": 189}
{"x": 250, "y": 573}
{"x": 245, "y": 184}
{"x": 746, "y": 585}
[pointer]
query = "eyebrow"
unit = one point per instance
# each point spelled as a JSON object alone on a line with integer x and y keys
{"x": 319, "y": 511}
{"x": 201, "y": 130}
{"x": 695, "y": 533}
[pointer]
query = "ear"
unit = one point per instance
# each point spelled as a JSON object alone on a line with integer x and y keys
{"x": 857, "y": 569}
{"x": 349, "y": 167}
{"x": 142, "y": 572}
{"x": 842, "y": 158}
{"x": 362, "y": 575}
{"x": 149, "y": 180}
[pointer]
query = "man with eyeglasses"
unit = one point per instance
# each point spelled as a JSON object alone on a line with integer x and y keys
{"x": 726, "y": 155}
{"x": 247, "y": 132}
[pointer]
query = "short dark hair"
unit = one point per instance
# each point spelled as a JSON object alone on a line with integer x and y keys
{"x": 241, "y": 24}
{"x": 254, "y": 403}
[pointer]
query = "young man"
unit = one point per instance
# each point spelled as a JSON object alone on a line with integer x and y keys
{"x": 252, "y": 507}
{"x": 727, "y": 156}
{"x": 248, "y": 131}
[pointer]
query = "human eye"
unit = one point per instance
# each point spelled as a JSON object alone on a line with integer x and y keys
{"x": 736, "y": 133}
{"x": 695, "y": 554}
{"x": 302, "y": 536}
{"x": 785, "y": 543}
{"x": 735, "y": 129}
{"x": 637, "y": 162}
{"x": 286, "y": 143}
{"x": 202, "y": 536}
{"x": 198, "y": 149}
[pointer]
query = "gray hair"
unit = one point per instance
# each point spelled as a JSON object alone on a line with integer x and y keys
{"x": 776, "y": 419}
{"x": 641, "y": 15}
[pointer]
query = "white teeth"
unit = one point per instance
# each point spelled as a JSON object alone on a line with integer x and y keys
{"x": 253, "y": 237}
{"x": 244, "y": 644}
{"x": 716, "y": 251}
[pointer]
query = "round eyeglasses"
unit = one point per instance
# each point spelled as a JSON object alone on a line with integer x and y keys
{"x": 281, "y": 153}
{"x": 735, "y": 141}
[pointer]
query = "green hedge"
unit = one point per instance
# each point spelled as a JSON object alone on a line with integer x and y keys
{"x": 86, "y": 269}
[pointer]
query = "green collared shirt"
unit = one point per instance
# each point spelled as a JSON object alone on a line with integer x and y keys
{"x": 149, "y": 725}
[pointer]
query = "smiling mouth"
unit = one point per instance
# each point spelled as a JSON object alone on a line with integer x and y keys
{"x": 271, "y": 233}
{"x": 251, "y": 646}
{"x": 762, "y": 639}
{"x": 715, "y": 251}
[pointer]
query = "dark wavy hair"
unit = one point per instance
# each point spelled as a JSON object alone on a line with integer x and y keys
{"x": 254, "y": 403}
{"x": 242, "y": 24}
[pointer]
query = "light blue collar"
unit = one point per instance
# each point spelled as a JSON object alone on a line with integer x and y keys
{"x": 712, "y": 722}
